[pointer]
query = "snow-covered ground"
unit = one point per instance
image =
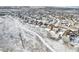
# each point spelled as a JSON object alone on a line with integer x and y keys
{"x": 14, "y": 36}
